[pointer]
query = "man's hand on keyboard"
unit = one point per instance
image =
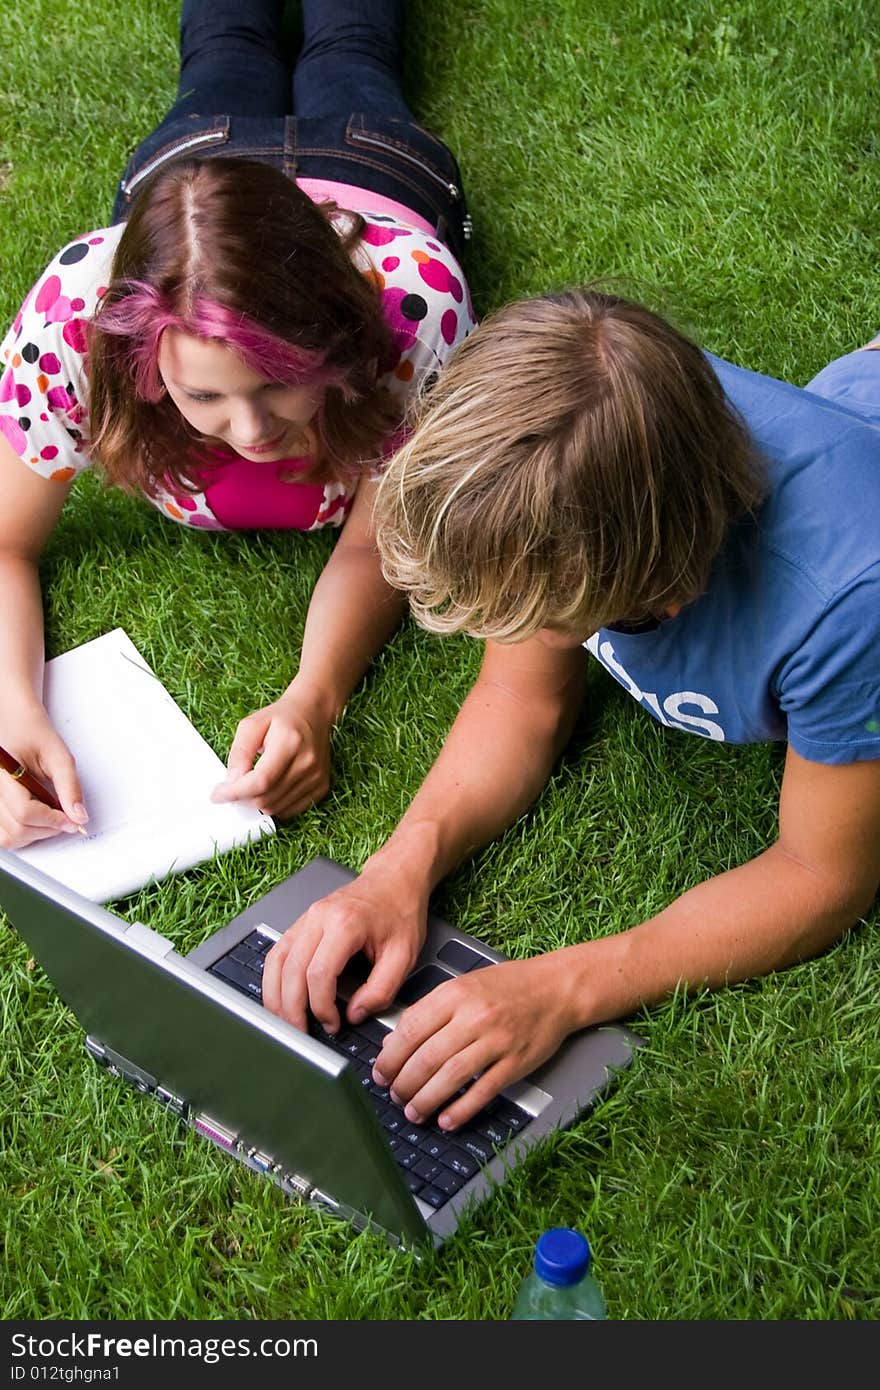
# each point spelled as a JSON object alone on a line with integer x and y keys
{"x": 496, "y": 1025}
{"x": 374, "y": 914}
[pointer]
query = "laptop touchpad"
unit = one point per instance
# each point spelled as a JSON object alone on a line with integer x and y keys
{"x": 420, "y": 983}
{"x": 414, "y": 987}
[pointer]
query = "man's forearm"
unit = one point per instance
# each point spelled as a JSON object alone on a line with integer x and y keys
{"x": 762, "y": 916}
{"x": 494, "y": 763}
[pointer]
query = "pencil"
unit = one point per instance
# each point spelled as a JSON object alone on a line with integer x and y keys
{"x": 37, "y": 789}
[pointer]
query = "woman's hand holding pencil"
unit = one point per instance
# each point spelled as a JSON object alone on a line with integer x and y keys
{"x": 30, "y": 809}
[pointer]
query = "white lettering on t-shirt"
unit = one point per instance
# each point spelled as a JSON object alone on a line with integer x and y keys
{"x": 690, "y": 722}
{"x": 670, "y": 712}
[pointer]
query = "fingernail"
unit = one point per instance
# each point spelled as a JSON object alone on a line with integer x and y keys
{"x": 358, "y": 1015}
{"x": 444, "y": 1122}
{"x": 379, "y": 1079}
{"x": 412, "y": 1113}
{"x": 80, "y": 813}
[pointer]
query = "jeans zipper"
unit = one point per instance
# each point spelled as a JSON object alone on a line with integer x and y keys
{"x": 451, "y": 188}
{"x": 209, "y": 137}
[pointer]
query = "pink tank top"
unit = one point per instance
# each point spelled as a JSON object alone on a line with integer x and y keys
{"x": 245, "y": 495}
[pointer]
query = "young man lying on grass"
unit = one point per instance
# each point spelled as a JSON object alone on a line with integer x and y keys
{"x": 585, "y": 476}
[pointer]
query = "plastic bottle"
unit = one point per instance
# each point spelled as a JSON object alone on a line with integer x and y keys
{"x": 561, "y": 1284}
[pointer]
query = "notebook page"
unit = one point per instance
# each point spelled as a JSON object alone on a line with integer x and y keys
{"x": 146, "y": 774}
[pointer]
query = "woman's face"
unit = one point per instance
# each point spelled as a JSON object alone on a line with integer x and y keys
{"x": 224, "y": 399}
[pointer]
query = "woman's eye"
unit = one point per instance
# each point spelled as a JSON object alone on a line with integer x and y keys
{"x": 202, "y": 396}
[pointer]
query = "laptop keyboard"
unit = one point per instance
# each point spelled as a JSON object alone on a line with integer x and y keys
{"x": 435, "y": 1164}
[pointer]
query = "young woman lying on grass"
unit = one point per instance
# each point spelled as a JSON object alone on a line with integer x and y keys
{"x": 238, "y": 347}
{"x": 583, "y": 476}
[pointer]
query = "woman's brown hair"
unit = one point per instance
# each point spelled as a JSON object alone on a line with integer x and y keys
{"x": 576, "y": 464}
{"x": 232, "y": 249}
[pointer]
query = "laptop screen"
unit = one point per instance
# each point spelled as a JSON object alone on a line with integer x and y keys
{"x": 194, "y": 1036}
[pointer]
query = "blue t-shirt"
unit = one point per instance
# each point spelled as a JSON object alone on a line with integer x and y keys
{"x": 785, "y": 642}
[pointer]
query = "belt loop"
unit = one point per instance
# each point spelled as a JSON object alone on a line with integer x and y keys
{"x": 290, "y": 146}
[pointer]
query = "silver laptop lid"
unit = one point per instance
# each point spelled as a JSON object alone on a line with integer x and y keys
{"x": 195, "y": 1036}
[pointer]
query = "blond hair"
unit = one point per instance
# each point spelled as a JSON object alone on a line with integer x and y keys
{"x": 576, "y": 464}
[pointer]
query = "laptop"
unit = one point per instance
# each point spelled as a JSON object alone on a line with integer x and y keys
{"x": 191, "y": 1033}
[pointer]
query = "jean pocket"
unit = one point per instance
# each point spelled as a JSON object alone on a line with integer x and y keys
{"x": 430, "y": 157}
{"x": 187, "y": 142}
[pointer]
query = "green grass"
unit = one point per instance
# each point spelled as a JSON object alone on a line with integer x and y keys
{"x": 722, "y": 160}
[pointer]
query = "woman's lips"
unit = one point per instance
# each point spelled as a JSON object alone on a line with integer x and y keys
{"x": 269, "y": 448}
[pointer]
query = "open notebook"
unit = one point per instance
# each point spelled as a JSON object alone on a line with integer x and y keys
{"x": 146, "y": 772}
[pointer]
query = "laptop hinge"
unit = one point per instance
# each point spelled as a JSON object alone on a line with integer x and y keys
{"x": 140, "y": 935}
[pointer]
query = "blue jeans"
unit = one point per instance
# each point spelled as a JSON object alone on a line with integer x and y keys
{"x": 338, "y": 113}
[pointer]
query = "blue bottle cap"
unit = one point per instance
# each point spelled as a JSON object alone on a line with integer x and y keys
{"x": 562, "y": 1256}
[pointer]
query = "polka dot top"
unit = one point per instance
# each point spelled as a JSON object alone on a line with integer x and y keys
{"x": 44, "y": 393}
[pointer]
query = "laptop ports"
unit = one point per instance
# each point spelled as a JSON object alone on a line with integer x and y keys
{"x": 263, "y": 1161}
{"x": 210, "y": 1128}
{"x": 294, "y": 1185}
{"x": 172, "y": 1101}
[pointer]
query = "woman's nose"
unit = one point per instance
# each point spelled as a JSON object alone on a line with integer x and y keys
{"x": 251, "y": 423}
